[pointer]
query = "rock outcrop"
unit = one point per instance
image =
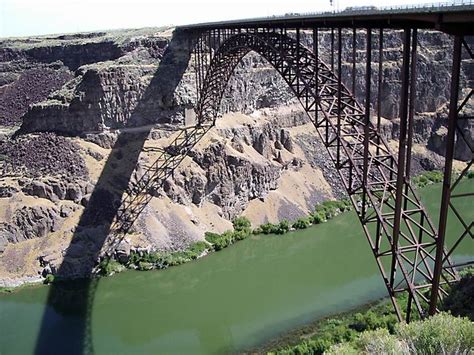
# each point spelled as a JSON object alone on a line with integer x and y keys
{"x": 28, "y": 223}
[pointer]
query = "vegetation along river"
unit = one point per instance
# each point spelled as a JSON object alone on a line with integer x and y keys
{"x": 228, "y": 301}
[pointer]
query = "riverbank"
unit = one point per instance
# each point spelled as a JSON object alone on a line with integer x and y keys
{"x": 214, "y": 242}
{"x": 320, "y": 335}
{"x": 144, "y": 260}
{"x": 242, "y": 229}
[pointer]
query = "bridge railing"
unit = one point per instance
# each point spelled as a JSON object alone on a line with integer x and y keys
{"x": 454, "y": 5}
{"x": 447, "y": 6}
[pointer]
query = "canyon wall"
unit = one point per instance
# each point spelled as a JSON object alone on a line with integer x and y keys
{"x": 90, "y": 100}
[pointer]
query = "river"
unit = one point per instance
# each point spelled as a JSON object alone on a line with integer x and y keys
{"x": 228, "y": 301}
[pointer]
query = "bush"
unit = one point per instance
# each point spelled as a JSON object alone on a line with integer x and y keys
{"x": 144, "y": 265}
{"x": 241, "y": 235}
{"x": 301, "y": 223}
{"x": 49, "y": 279}
{"x": 439, "y": 334}
{"x": 197, "y": 249}
{"x": 318, "y": 217}
{"x": 470, "y": 174}
{"x": 109, "y": 267}
{"x": 367, "y": 321}
{"x": 381, "y": 342}
{"x": 428, "y": 177}
{"x": 342, "y": 349}
{"x": 211, "y": 237}
{"x": 318, "y": 346}
{"x": 283, "y": 227}
{"x": 242, "y": 224}
{"x": 268, "y": 228}
{"x": 221, "y": 241}
{"x": 329, "y": 209}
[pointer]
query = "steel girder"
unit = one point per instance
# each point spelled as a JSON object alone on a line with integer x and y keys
{"x": 401, "y": 235}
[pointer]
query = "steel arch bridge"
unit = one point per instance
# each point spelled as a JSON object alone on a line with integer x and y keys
{"x": 409, "y": 249}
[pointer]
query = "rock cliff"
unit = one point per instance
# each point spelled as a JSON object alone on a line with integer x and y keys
{"x": 114, "y": 100}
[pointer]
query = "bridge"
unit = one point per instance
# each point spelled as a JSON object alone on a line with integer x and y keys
{"x": 377, "y": 179}
{"x": 410, "y": 250}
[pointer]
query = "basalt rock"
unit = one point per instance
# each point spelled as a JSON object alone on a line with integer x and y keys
{"x": 42, "y": 155}
{"x": 231, "y": 180}
{"x": 32, "y": 86}
{"x": 30, "y": 222}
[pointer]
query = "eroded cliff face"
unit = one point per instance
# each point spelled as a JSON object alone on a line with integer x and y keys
{"x": 262, "y": 159}
{"x": 106, "y": 95}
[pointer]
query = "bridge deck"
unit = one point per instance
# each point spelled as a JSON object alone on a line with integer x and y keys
{"x": 458, "y": 19}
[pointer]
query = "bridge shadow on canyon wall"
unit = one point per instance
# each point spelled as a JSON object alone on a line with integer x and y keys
{"x": 66, "y": 323}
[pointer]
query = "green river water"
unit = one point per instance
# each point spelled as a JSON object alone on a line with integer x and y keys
{"x": 226, "y": 302}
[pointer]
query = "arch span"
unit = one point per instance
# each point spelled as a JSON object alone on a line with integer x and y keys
{"x": 363, "y": 158}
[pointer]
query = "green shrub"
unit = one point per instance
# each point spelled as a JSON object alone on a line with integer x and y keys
{"x": 269, "y": 228}
{"x": 439, "y": 334}
{"x": 197, "y": 249}
{"x": 427, "y": 177}
{"x": 221, "y": 241}
{"x": 317, "y": 346}
{"x": 318, "y": 217}
{"x": 283, "y": 227}
{"x": 301, "y": 223}
{"x": 367, "y": 321}
{"x": 380, "y": 341}
{"x": 144, "y": 265}
{"x": 342, "y": 349}
{"x": 211, "y": 237}
{"x": 241, "y": 235}
{"x": 49, "y": 279}
{"x": 470, "y": 174}
{"x": 242, "y": 224}
{"x": 328, "y": 209}
{"x": 109, "y": 267}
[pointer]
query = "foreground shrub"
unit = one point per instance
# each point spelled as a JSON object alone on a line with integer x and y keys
{"x": 318, "y": 346}
{"x": 380, "y": 341}
{"x": 342, "y": 349}
{"x": 440, "y": 334}
{"x": 367, "y": 321}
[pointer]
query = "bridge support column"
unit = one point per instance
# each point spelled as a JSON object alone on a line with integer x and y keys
{"x": 401, "y": 154}
{"x": 368, "y": 75}
{"x": 449, "y": 156}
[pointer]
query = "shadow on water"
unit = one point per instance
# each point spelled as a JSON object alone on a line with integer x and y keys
{"x": 66, "y": 321}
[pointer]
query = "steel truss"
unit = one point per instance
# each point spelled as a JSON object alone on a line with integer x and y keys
{"x": 408, "y": 249}
{"x": 402, "y": 236}
{"x": 456, "y": 118}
